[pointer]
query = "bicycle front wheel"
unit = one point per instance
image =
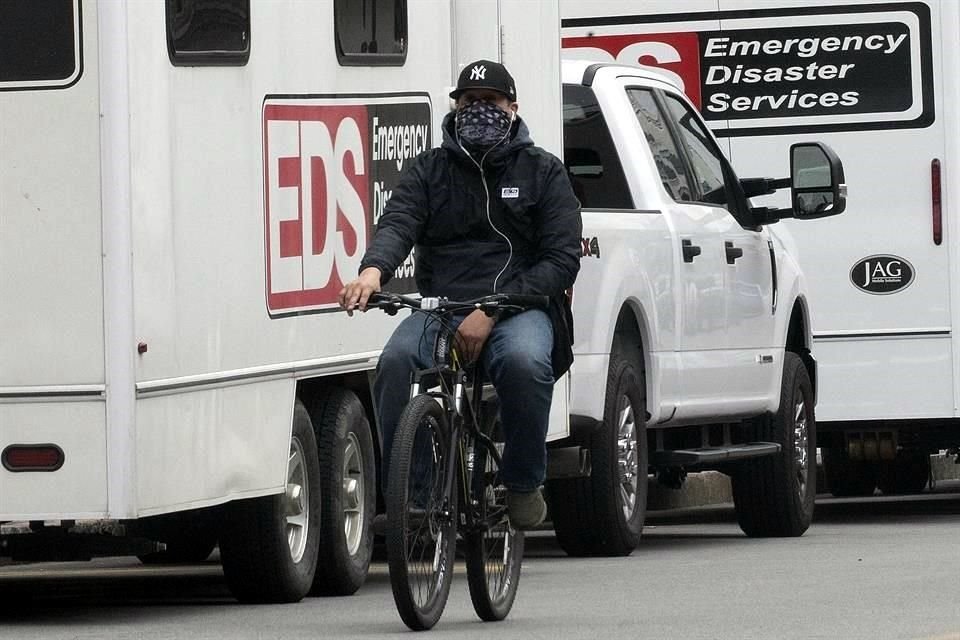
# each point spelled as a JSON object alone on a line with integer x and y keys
{"x": 421, "y": 518}
{"x": 493, "y": 548}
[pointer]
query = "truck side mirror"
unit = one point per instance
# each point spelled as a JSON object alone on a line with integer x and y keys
{"x": 817, "y": 185}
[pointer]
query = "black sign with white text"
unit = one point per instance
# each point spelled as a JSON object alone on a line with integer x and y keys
{"x": 806, "y": 71}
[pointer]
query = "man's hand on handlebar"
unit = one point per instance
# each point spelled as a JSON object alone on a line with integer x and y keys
{"x": 355, "y": 294}
{"x": 472, "y": 333}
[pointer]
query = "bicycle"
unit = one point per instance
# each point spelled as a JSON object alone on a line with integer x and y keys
{"x": 444, "y": 477}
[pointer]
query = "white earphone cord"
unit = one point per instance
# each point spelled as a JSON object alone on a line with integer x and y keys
{"x": 486, "y": 191}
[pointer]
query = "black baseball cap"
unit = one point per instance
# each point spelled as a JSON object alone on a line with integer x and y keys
{"x": 486, "y": 74}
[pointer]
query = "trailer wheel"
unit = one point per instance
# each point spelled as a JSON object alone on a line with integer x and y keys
{"x": 348, "y": 493}
{"x": 909, "y": 472}
{"x": 774, "y": 495}
{"x": 604, "y": 514}
{"x": 269, "y": 545}
{"x": 846, "y": 477}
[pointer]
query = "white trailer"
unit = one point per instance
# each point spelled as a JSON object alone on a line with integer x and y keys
{"x": 878, "y": 82}
{"x": 183, "y": 187}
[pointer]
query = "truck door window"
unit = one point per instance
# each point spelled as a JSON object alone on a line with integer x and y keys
{"x": 673, "y": 173}
{"x": 39, "y": 44}
{"x": 589, "y": 154}
{"x": 208, "y": 32}
{"x": 370, "y": 32}
{"x": 704, "y": 156}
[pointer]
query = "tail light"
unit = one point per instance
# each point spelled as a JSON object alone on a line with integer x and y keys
{"x": 936, "y": 201}
{"x": 32, "y": 457}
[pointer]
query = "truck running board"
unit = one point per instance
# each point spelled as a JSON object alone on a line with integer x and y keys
{"x": 706, "y": 456}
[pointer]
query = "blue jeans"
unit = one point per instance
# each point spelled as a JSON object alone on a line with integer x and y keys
{"x": 517, "y": 360}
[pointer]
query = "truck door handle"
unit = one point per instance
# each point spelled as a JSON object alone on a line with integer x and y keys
{"x": 732, "y": 252}
{"x": 690, "y": 250}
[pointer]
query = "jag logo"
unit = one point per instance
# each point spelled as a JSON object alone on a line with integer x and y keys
{"x": 329, "y": 167}
{"x": 882, "y": 274}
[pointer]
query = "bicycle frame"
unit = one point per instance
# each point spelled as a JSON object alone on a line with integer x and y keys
{"x": 451, "y": 393}
{"x": 464, "y": 419}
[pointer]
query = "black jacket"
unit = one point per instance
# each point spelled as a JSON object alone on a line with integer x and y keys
{"x": 461, "y": 230}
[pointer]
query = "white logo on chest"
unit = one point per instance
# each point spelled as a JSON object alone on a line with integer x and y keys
{"x": 510, "y": 192}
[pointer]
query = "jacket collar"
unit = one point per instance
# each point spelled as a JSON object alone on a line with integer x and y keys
{"x": 519, "y": 138}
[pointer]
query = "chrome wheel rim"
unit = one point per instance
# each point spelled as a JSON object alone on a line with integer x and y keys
{"x": 297, "y": 501}
{"x": 801, "y": 458}
{"x": 627, "y": 464}
{"x": 353, "y": 494}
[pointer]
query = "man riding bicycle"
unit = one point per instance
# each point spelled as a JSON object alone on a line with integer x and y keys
{"x": 488, "y": 212}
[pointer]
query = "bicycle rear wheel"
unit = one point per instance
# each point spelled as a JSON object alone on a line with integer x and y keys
{"x": 493, "y": 549}
{"x": 421, "y": 519}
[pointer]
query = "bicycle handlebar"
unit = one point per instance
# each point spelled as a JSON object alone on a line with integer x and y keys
{"x": 392, "y": 302}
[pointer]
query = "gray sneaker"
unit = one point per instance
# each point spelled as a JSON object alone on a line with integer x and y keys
{"x": 527, "y": 509}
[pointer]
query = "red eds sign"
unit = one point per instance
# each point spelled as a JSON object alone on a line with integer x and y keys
{"x": 676, "y": 54}
{"x": 329, "y": 166}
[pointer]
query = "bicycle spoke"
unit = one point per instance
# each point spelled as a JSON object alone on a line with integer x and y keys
{"x": 495, "y": 549}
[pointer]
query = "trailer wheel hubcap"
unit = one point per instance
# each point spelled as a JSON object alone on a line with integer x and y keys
{"x": 353, "y": 494}
{"x": 297, "y": 501}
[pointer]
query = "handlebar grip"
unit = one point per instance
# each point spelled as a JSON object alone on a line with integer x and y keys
{"x": 394, "y": 301}
{"x": 376, "y": 299}
{"x": 527, "y": 300}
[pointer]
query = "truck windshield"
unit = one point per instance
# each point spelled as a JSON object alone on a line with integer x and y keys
{"x": 38, "y": 43}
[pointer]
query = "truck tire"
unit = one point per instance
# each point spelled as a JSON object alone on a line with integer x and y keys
{"x": 846, "y": 477}
{"x": 603, "y": 515}
{"x": 774, "y": 495}
{"x": 348, "y": 493}
{"x": 909, "y": 472}
{"x": 269, "y": 545}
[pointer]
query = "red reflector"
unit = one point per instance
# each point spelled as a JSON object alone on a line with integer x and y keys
{"x": 936, "y": 201}
{"x": 32, "y": 457}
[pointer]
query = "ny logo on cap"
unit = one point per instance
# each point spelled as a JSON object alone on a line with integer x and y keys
{"x": 479, "y": 72}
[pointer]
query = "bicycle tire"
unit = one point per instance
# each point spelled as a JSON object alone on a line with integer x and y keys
{"x": 421, "y": 520}
{"x": 494, "y": 550}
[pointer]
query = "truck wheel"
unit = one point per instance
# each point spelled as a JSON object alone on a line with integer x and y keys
{"x": 348, "y": 493}
{"x": 909, "y": 472}
{"x": 774, "y": 496}
{"x": 269, "y": 545}
{"x": 846, "y": 477}
{"x": 604, "y": 514}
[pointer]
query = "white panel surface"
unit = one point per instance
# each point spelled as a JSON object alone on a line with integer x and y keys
{"x": 79, "y": 488}
{"x": 51, "y": 322}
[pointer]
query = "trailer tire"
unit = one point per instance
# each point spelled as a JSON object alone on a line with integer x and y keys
{"x": 269, "y": 545}
{"x": 603, "y": 515}
{"x": 348, "y": 493}
{"x": 846, "y": 477}
{"x": 774, "y": 495}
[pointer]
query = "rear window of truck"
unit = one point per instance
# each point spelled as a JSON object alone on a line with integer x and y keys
{"x": 589, "y": 155}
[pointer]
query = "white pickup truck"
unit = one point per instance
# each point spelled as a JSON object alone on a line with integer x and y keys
{"x": 691, "y": 317}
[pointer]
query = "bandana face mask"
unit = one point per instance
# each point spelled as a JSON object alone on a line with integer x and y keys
{"x": 481, "y": 125}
